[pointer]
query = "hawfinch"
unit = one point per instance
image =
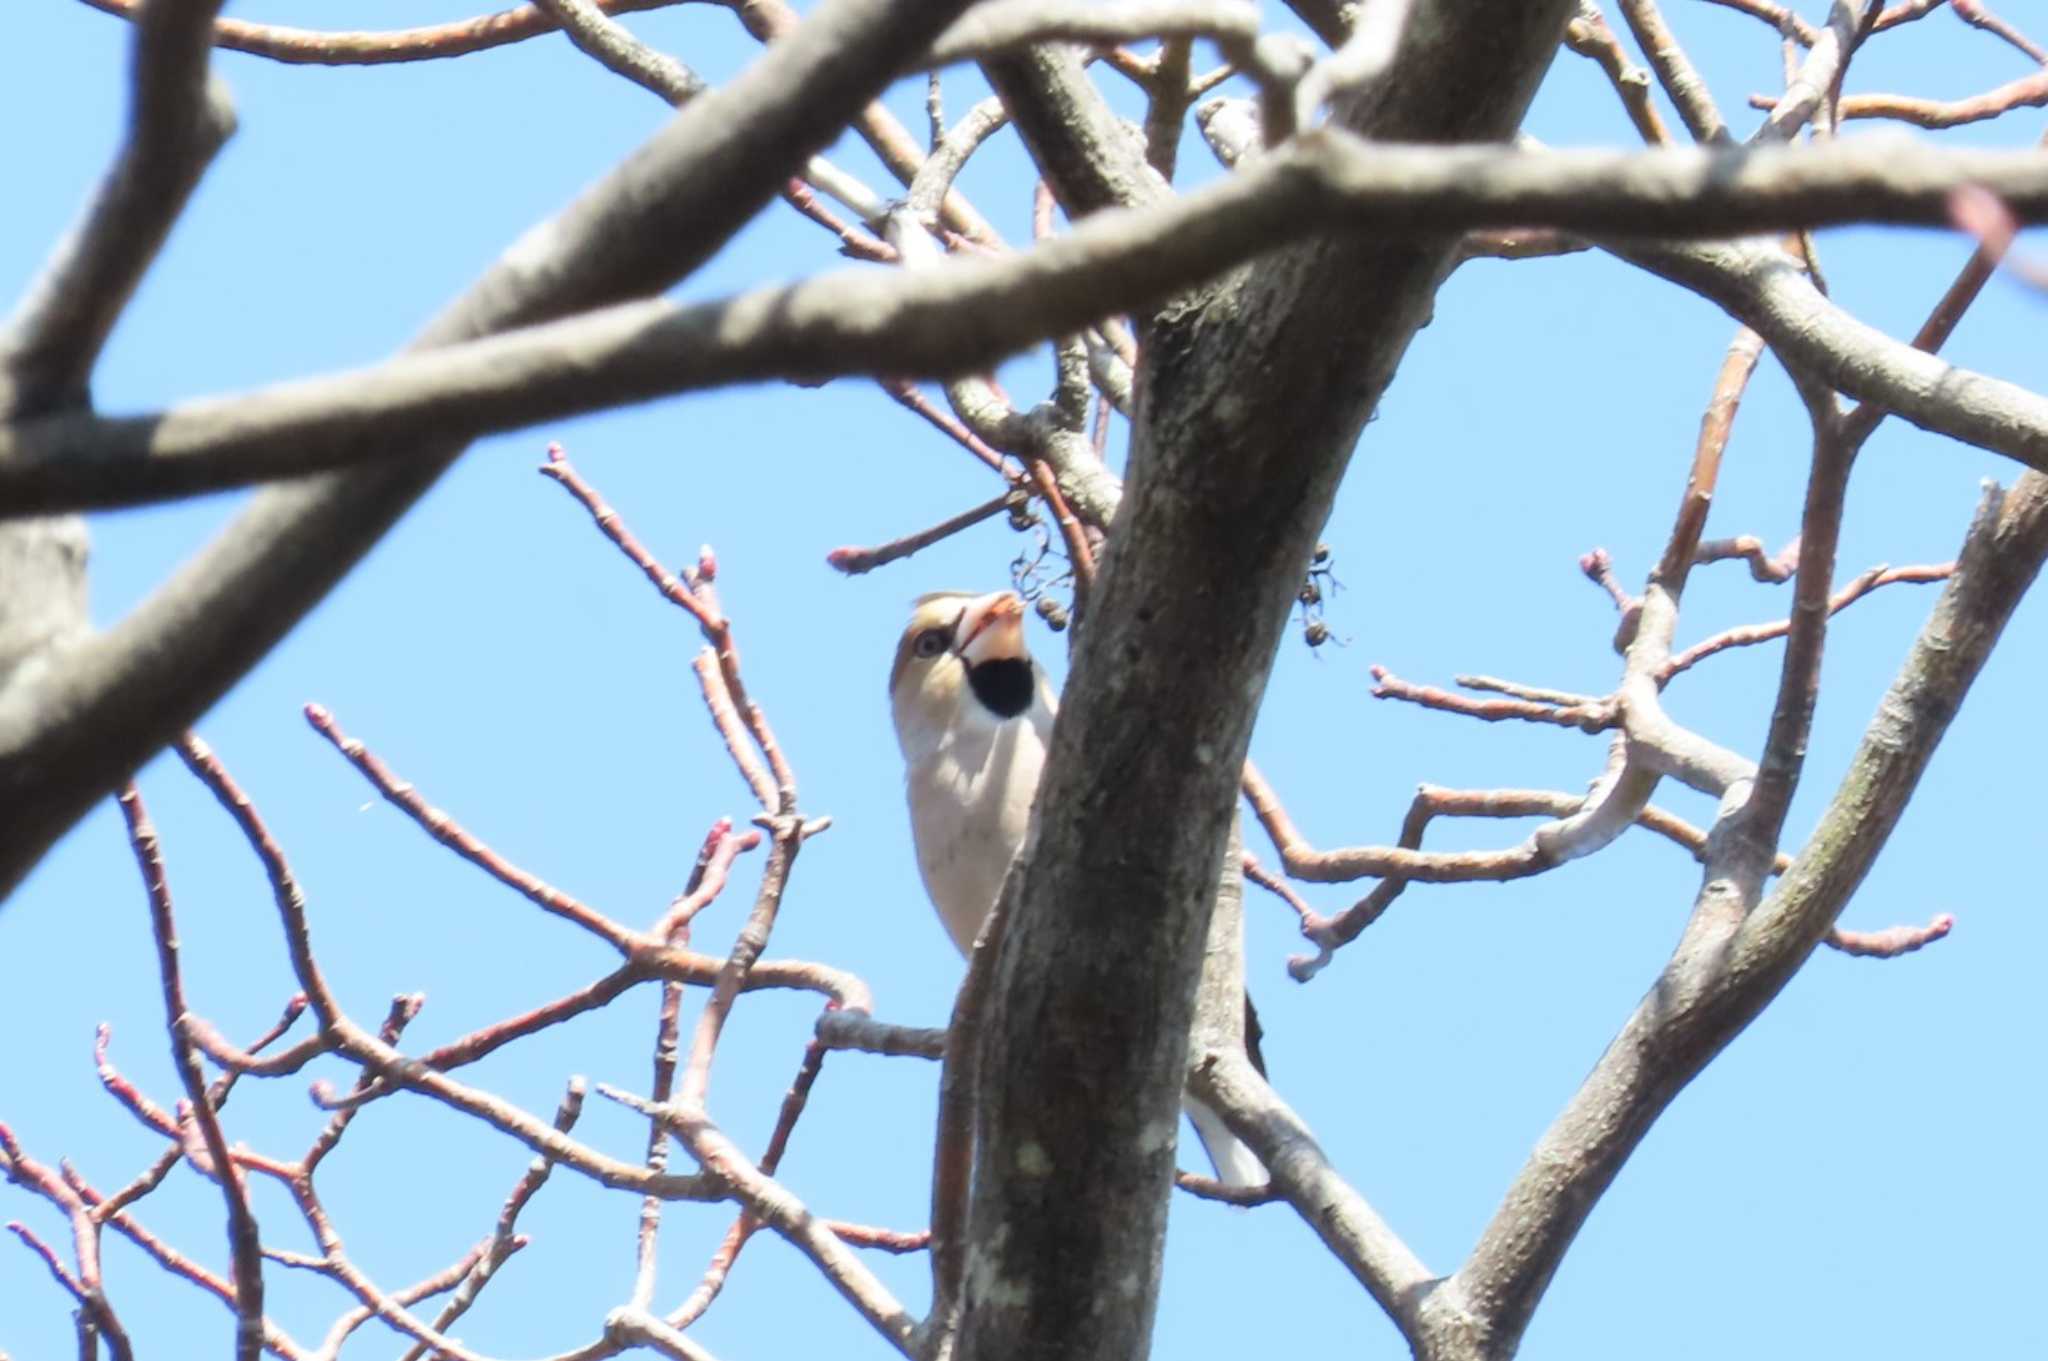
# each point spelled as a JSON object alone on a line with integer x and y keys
{"x": 974, "y": 718}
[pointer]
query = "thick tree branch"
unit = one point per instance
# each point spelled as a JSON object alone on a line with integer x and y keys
{"x": 1727, "y": 968}
{"x": 335, "y": 47}
{"x": 1092, "y": 158}
{"x": 178, "y": 118}
{"x": 970, "y": 312}
{"x": 1226, "y": 492}
{"x": 1348, "y": 1226}
{"x": 75, "y": 733}
{"x": 1769, "y": 291}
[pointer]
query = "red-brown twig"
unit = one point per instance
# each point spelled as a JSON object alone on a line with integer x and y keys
{"x": 708, "y": 878}
{"x": 404, "y": 1008}
{"x": 1892, "y": 941}
{"x": 1071, "y": 532}
{"x": 1208, "y": 1188}
{"x": 854, "y": 561}
{"x": 1593, "y": 715}
{"x": 776, "y": 1207}
{"x": 1512, "y": 803}
{"x": 1675, "y": 72}
{"x": 897, "y": 1241}
{"x": 177, "y": 1264}
{"x": 1716, "y": 423}
{"x": 1258, "y": 874}
{"x": 306, "y": 46}
{"x": 746, "y": 950}
{"x": 95, "y": 1315}
{"x": 1979, "y": 17}
{"x": 1886, "y": 943}
{"x": 152, "y": 1176}
{"x": 475, "y": 1045}
{"x": 1397, "y": 866}
{"x": 237, "y": 1060}
{"x": 396, "y": 1069}
{"x": 1534, "y": 693}
{"x": 1762, "y": 565}
{"x": 1986, "y": 217}
{"x": 719, "y": 1268}
{"x": 1098, "y": 435}
{"x": 732, "y": 729}
{"x": 406, "y": 797}
{"x": 2027, "y": 92}
{"x": 854, "y": 243}
{"x": 1588, "y": 35}
{"x": 694, "y": 593}
{"x": 505, "y": 1238}
{"x": 440, "y": 1283}
{"x": 1749, "y": 635}
{"x": 907, "y": 395}
{"x": 1598, "y": 566}
{"x": 1778, "y": 17}
{"x": 131, "y": 1098}
{"x": 85, "y": 1285}
{"x": 1974, "y": 13}
{"x": 244, "y": 1241}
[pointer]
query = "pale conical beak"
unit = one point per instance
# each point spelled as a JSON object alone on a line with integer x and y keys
{"x": 991, "y": 629}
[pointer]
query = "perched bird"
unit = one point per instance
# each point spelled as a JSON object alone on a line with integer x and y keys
{"x": 974, "y": 718}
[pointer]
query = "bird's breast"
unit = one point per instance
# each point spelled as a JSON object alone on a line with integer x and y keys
{"x": 970, "y": 808}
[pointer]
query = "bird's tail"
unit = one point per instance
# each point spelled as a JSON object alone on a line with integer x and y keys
{"x": 1236, "y": 1165}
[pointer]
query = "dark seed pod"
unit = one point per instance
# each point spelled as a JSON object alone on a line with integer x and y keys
{"x": 1053, "y": 613}
{"x": 1315, "y": 632}
{"x": 1311, "y": 593}
{"x": 1322, "y": 554}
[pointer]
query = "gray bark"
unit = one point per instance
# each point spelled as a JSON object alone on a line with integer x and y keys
{"x": 1251, "y": 397}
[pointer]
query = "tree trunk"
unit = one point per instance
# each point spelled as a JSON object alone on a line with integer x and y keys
{"x": 1251, "y": 396}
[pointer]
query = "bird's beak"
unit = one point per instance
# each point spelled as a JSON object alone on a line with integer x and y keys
{"x": 991, "y": 629}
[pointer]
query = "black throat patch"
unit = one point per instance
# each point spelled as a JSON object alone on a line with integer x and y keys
{"x": 1004, "y": 685}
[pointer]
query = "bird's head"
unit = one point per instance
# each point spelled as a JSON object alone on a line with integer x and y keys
{"x": 962, "y": 659}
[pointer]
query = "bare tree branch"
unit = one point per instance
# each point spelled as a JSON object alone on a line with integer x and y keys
{"x": 1821, "y": 73}
{"x": 1727, "y": 968}
{"x": 244, "y": 1240}
{"x": 178, "y": 118}
{"x": 1112, "y": 917}
{"x": 1349, "y": 1227}
{"x": 972, "y": 312}
{"x": 332, "y": 47}
{"x": 1675, "y": 72}
{"x": 1768, "y": 291}
{"x": 72, "y": 735}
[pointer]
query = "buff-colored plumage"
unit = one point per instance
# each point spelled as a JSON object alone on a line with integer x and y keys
{"x": 971, "y": 775}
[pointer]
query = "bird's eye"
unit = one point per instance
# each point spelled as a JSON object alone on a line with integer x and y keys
{"x": 931, "y": 642}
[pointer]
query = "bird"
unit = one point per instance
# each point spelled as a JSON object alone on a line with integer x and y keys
{"x": 974, "y": 715}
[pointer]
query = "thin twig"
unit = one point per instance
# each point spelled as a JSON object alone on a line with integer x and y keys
{"x": 855, "y": 561}
{"x": 244, "y": 1242}
{"x": 405, "y": 796}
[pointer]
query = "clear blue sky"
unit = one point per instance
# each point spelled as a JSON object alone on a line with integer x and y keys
{"x": 1859, "y": 1175}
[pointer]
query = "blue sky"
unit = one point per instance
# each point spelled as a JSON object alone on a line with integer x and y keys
{"x": 1858, "y": 1175}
